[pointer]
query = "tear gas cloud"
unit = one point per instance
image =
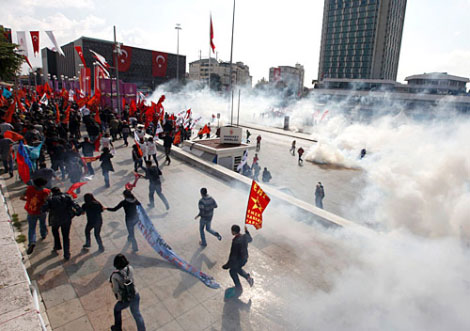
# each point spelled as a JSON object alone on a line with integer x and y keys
{"x": 411, "y": 276}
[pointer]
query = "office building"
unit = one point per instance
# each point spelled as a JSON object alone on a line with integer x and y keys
{"x": 290, "y": 77}
{"x": 220, "y": 73}
{"x": 361, "y": 39}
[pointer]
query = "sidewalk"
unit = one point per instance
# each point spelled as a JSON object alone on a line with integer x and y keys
{"x": 287, "y": 260}
{"x": 287, "y": 133}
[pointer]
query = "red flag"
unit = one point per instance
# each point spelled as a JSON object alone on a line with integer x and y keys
{"x": 205, "y": 129}
{"x": 88, "y": 159}
{"x": 124, "y": 58}
{"x": 97, "y": 117}
{"x": 159, "y": 64}
{"x": 47, "y": 89}
{"x": 23, "y": 162}
{"x": 257, "y": 203}
{"x": 72, "y": 189}
{"x": 3, "y": 101}
{"x": 13, "y": 135}
{"x": 80, "y": 54}
{"x": 212, "y": 37}
{"x": 67, "y": 115}
{"x": 129, "y": 186}
{"x": 123, "y": 103}
{"x": 9, "y": 114}
{"x": 177, "y": 139}
{"x": 27, "y": 61}
{"x": 57, "y": 114}
{"x": 132, "y": 108}
{"x": 97, "y": 143}
{"x": 35, "y": 40}
{"x": 20, "y": 105}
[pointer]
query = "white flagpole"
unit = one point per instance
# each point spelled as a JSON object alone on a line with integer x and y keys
{"x": 210, "y": 23}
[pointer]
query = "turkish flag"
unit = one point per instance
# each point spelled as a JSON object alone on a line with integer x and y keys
{"x": 35, "y": 39}
{"x": 159, "y": 64}
{"x": 13, "y": 135}
{"x": 212, "y": 36}
{"x": 124, "y": 59}
{"x": 80, "y": 53}
{"x": 257, "y": 203}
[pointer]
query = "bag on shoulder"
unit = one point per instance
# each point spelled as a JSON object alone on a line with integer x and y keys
{"x": 127, "y": 288}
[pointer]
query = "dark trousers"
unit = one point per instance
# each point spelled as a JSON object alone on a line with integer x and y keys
{"x": 158, "y": 189}
{"x": 237, "y": 270}
{"x": 97, "y": 227}
{"x": 8, "y": 165}
{"x": 90, "y": 168}
{"x": 130, "y": 224}
{"x": 319, "y": 202}
{"x": 134, "y": 304}
{"x": 148, "y": 157}
{"x": 106, "y": 178}
{"x": 124, "y": 136}
{"x": 137, "y": 164}
{"x": 65, "y": 229}
{"x": 167, "y": 154}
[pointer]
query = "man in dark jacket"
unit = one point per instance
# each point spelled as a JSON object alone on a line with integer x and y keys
{"x": 238, "y": 257}
{"x": 61, "y": 210}
{"x": 167, "y": 142}
{"x": 206, "y": 211}
{"x": 153, "y": 173}
{"x": 319, "y": 195}
{"x": 87, "y": 149}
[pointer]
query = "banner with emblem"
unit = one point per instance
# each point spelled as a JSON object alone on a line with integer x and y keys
{"x": 161, "y": 247}
{"x": 257, "y": 203}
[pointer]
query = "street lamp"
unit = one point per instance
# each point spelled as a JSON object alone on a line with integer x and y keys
{"x": 178, "y": 28}
{"x": 231, "y": 69}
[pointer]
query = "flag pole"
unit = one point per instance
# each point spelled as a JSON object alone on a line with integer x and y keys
{"x": 210, "y": 24}
{"x": 116, "y": 65}
{"x": 231, "y": 69}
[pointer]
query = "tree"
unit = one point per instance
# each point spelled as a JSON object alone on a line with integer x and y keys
{"x": 10, "y": 61}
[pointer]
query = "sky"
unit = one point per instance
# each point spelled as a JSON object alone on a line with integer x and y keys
{"x": 267, "y": 33}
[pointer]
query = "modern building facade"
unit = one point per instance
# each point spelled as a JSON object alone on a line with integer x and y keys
{"x": 220, "y": 71}
{"x": 361, "y": 39}
{"x": 145, "y": 68}
{"x": 437, "y": 83}
{"x": 291, "y": 77}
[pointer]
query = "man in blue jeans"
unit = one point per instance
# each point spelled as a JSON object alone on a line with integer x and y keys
{"x": 206, "y": 211}
{"x": 122, "y": 283}
{"x": 35, "y": 197}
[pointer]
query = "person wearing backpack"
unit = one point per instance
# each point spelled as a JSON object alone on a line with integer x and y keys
{"x": 206, "y": 211}
{"x": 153, "y": 173}
{"x": 122, "y": 283}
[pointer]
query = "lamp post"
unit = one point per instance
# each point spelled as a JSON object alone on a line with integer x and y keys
{"x": 117, "y": 50}
{"x": 231, "y": 69}
{"x": 178, "y": 28}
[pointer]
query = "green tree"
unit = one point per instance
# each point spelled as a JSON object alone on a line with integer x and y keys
{"x": 10, "y": 61}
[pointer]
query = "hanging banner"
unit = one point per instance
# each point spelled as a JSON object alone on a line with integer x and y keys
{"x": 161, "y": 247}
{"x": 57, "y": 48}
{"x": 159, "y": 64}
{"x": 35, "y": 40}
{"x": 22, "y": 46}
{"x": 80, "y": 54}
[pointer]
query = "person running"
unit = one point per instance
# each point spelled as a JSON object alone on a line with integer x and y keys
{"x": 151, "y": 150}
{"x": 258, "y": 143}
{"x": 153, "y": 173}
{"x": 248, "y": 134}
{"x": 88, "y": 149}
{"x": 256, "y": 171}
{"x": 61, "y": 210}
{"x": 292, "y": 148}
{"x": 167, "y": 142}
{"x": 126, "y": 130}
{"x": 206, "y": 212}
{"x": 106, "y": 165}
{"x": 300, "y": 151}
{"x": 106, "y": 141}
{"x": 136, "y": 157}
{"x": 129, "y": 204}
{"x": 255, "y": 159}
{"x": 122, "y": 283}
{"x": 93, "y": 210}
{"x": 238, "y": 258}
{"x": 319, "y": 195}
{"x": 35, "y": 197}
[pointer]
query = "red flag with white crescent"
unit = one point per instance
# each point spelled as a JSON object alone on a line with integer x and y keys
{"x": 35, "y": 40}
{"x": 159, "y": 64}
{"x": 80, "y": 54}
{"x": 124, "y": 58}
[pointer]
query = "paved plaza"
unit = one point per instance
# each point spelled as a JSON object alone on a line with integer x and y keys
{"x": 288, "y": 258}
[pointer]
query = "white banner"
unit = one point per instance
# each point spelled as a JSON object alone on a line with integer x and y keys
{"x": 22, "y": 46}
{"x": 50, "y": 34}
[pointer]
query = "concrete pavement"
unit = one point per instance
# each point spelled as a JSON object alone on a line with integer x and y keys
{"x": 288, "y": 259}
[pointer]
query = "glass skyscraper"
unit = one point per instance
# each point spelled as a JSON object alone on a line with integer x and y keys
{"x": 361, "y": 39}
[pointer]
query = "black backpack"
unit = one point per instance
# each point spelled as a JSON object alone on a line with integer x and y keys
{"x": 127, "y": 288}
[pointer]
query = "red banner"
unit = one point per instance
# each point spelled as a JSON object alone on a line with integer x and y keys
{"x": 159, "y": 64}
{"x": 257, "y": 203}
{"x": 35, "y": 40}
{"x": 85, "y": 80}
{"x": 124, "y": 59}
{"x": 80, "y": 54}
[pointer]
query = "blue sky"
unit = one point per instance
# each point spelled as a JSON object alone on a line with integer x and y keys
{"x": 267, "y": 33}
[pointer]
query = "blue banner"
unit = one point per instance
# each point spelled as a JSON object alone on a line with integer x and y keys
{"x": 161, "y": 247}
